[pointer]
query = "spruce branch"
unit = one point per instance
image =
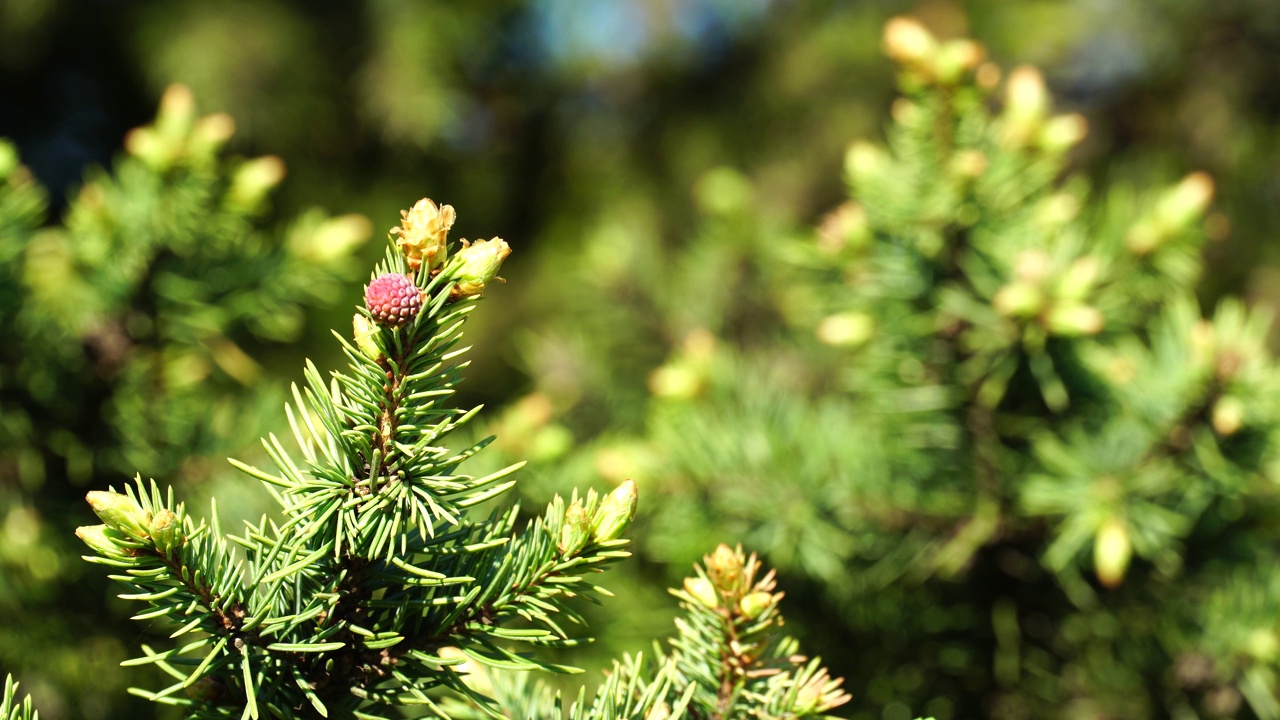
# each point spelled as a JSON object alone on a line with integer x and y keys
{"x": 728, "y": 659}
{"x": 375, "y": 570}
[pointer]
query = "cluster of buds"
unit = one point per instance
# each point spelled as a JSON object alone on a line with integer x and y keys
{"x": 597, "y": 520}
{"x": 1232, "y": 351}
{"x": 128, "y": 529}
{"x": 1026, "y": 120}
{"x": 726, "y": 583}
{"x": 178, "y": 136}
{"x": 923, "y": 56}
{"x": 1175, "y": 211}
{"x": 1056, "y": 300}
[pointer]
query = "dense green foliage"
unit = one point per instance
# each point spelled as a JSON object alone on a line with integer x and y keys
{"x": 377, "y": 579}
{"x": 979, "y": 409}
{"x": 127, "y": 324}
{"x": 674, "y": 315}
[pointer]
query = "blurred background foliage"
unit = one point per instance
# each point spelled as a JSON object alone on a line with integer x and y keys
{"x": 646, "y": 159}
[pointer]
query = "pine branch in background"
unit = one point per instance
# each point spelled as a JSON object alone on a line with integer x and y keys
{"x": 128, "y": 326}
{"x": 979, "y": 410}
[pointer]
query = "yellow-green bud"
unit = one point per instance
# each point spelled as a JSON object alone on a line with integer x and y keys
{"x": 1262, "y": 644}
{"x": 1063, "y": 132}
{"x": 423, "y": 232}
{"x": 101, "y": 539}
{"x": 1144, "y": 237}
{"x": 251, "y": 182}
{"x": 676, "y": 380}
{"x": 1112, "y": 550}
{"x": 210, "y": 133}
{"x": 725, "y": 568}
{"x": 120, "y": 513}
{"x": 1026, "y": 104}
{"x": 575, "y": 531}
{"x": 969, "y": 163}
{"x": 177, "y": 111}
{"x": 8, "y": 159}
{"x": 333, "y": 239}
{"x": 363, "y": 329}
{"x": 1073, "y": 320}
{"x": 956, "y": 58}
{"x": 478, "y": 264}
{"x": 1027, "y": 99}
{"x": 166, "y": 531}
{"x": 864, "y": 160}
{"x": 1079, "y": 279}
{"x": 1019, "y": 300}
{"x": 701, "y": 589}
{"x": 615, "y": 513}
{"x": 908, "y": 42}
{"x": 1228, "y": 415}
{"x": 846, "y": 329}
{"x": 1184, "y": 202}
{"x": 754, "y": 604}
{"x": 846, "y": 226}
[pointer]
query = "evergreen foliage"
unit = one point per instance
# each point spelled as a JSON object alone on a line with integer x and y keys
{"x": 127, "y": 325}
{"x": 978, "y": 410}
{"x": 380, "y": 578}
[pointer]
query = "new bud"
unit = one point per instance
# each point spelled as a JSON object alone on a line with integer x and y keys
{"x": 863, "y": 161}
{"x": 423, "y": 233}
{"x": 725, "y": 568}
{"x": 1182, "y": 204}
{"x": 1228, "y": 415}
{"x": 166, "y": 531}
{"x": 575, "y": 531}
{"x": 332, "y": 239}
{"x": 253, "y": 180}
{"x": 363, "y": 329}
{"x": 1112, "y": 550}
{"x": 846, "y": 329}
{"x": 1063, "y": 132}
{"x": 1073, "y": 320}
{"x": 1079, "y": 279}
{"x": 8, "y": 159}
{"x": 615, "y": 513}
{"x": 908, "y": 42}
{"x": 754, "y": 604}
{"x": 120, "y": 513}
{"x": 703, "y": 591}
{"x": 1018, "y": 300}
{"x": 478, "y": 265}
{"x": 99, "y": 539}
